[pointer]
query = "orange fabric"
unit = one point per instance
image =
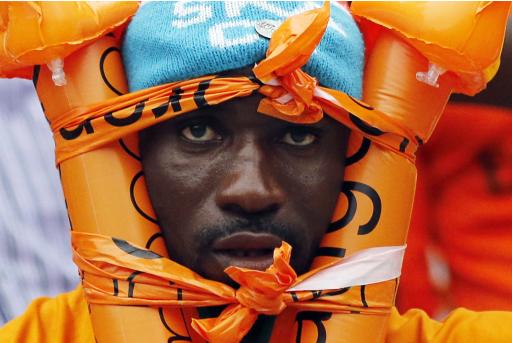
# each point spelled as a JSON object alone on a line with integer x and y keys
{"x": 467, "y": 213}
{"x": 65, "y": 319}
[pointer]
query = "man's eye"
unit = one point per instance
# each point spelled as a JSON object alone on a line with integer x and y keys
{"x": 200, "y": 133}
{"x": 299, "y": 138}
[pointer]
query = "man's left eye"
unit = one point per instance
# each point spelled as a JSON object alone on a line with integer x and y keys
{"x": 200, "y": 133}
{"x": 299, "y": 137}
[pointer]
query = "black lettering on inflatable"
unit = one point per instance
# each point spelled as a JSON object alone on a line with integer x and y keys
{"x": 317, "y": 318}
{"x": 131, "y": 284}
{"x": 134, "y": 201}
{"x": 128, "y": 151}
{"x": 347, "y": 218}
{"x": 132, "y": 118}
{"x": 199, "y": 95}
{"x": 364, "y": 127}
{"x": 330, "y": 252}
{"x": 363, "y": 296}
{"x": 360, "y": 153}
{"x": 348, "y": 188}
{"x": 295, "y": 298}
{"x": 102, "y": 69}
{"x": 153, "y": 238}
{"x": 316, "y": 294}
{"x": 134, "y": 251}
{"x": 337, "y": 292}
{"x": 116, "y": 287}
{"x": 404, "y": 144}
{"x": 177, "y": 337}
{"x": 76, "y": 132}
{"x": 179, "y": 294}
{"x": 174, "y": 100}
{"x": 419, "y": 140}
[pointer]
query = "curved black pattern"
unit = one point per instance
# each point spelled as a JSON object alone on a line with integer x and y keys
{"x": 336, "y": 292}
{"x": 76, "y": 132}
{"x": 177, "y": 337}
{"x": 116, "y": 287}
{"x": 153, "y": 238}
{"x": 360, "y": 153}
{"x": 128, "y": 151}
{"x": 364, "y": 127}
{"x": 368, "y": 107}
{"x": 134, "y": 251}
{"x": 132, "y": 118}
{"x": 349, "y": 187}
{"x": 317, "y": 318}
{"x": 131, "y": 284}
{"x": 102, "y": 69}
{"x": 404, "y": 144}
{"x": 363, "y": 296}
{"x": 347, "y": 218}
{"x": 134, "y": 202}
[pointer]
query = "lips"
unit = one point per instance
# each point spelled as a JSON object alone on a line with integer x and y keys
{"x": 246, "y": 250}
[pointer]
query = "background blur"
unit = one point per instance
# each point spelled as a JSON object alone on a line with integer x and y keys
{"x": 35, "y": 256}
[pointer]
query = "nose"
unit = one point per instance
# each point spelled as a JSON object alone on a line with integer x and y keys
{"x": 250, "y": 186}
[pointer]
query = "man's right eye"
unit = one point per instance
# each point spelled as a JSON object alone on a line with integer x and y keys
{"x": 200, "y": 133}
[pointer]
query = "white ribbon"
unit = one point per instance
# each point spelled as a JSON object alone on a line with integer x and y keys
{"x": 362, "y": 268}
{"x": 317, "y": 93}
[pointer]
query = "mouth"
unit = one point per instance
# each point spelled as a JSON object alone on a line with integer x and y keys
{"x": 246, "y": 250}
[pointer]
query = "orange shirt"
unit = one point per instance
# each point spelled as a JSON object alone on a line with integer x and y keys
{"x": 65, "y": 319}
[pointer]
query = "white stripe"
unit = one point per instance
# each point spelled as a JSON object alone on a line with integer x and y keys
{"x": 362, "y": 268}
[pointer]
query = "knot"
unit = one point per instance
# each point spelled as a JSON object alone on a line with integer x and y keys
{"x": 260, "y": 292}
{"x": 259, "y": 302}
{"x": 290, "y": 48}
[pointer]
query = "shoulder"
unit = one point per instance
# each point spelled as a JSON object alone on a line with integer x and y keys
{"x": 461, "y": 325}
{"x": 64, "y": 318}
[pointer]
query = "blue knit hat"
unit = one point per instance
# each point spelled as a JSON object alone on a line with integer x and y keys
{"x": 174, "y": 41}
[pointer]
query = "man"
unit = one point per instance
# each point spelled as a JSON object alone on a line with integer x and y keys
{"x": 228, "y": 184}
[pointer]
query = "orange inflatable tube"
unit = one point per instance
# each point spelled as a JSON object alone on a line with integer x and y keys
{"x": 110, "y": 211}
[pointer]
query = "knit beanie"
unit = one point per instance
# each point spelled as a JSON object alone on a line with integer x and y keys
{"x": 175, "y": 41}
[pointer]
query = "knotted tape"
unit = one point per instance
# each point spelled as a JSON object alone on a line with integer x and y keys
{"x": 118, "y": 272}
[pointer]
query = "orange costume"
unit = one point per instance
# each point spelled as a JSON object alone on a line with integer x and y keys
{"x": 135, "y": 293}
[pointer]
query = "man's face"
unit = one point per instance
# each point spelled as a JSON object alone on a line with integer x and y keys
{"x": 229, "y": 184}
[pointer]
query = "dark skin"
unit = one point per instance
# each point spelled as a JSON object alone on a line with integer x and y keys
{"x": 229, "y": 184}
